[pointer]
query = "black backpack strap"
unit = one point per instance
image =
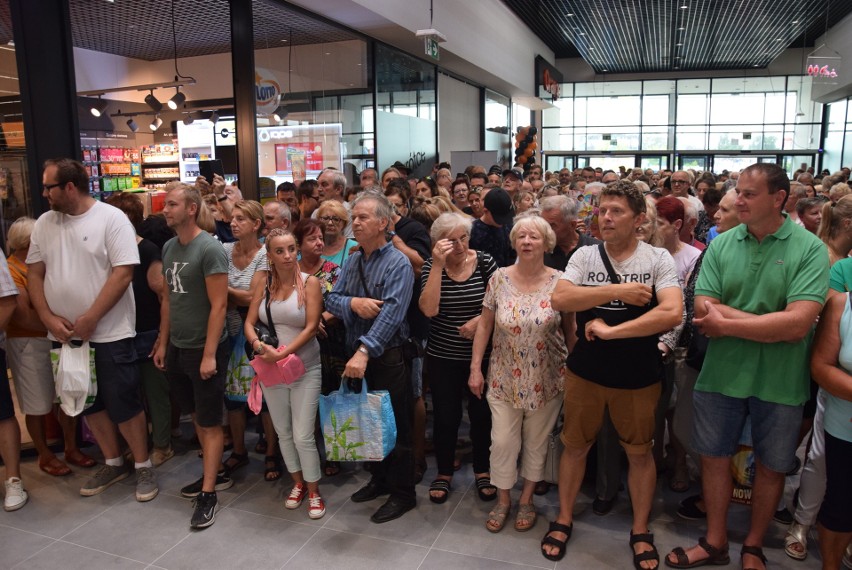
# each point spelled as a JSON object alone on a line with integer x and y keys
{"x": 268, "y": 300}
{"x": 613, "y": 276}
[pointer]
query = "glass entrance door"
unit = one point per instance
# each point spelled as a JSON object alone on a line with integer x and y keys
{"x": 738, "y": 162}
{"x": 700, "y": 162}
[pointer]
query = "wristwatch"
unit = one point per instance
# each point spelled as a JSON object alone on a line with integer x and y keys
{"x": 391, "y": 234}
{"x": 363, "y": 350}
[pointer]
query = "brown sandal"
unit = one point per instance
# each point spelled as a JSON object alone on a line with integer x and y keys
{"x": 497, "y": 517}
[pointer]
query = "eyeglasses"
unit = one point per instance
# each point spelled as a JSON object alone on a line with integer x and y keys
{"x": 332, "y": 220}
{"x": 49, "y": 187}
{"x": 680, "y": 181}
{"x": 461, "y": 241}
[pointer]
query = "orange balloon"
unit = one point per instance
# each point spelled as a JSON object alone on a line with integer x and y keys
{"x": 522, "y": 159}
{"x": 533, "y": 145}
{"x": 528, "y": 152}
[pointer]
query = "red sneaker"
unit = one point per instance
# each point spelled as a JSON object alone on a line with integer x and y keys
{"x": 296, "y": 496}
{"x": 316, "y": 506}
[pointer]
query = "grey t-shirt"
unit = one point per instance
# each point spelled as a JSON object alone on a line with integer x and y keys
{"x": 186, "y": 267}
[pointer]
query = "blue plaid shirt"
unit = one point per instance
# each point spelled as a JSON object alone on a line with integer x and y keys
{"x": 389, "y": 278}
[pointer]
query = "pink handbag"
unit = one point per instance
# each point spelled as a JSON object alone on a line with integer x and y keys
{"x": 285, "y": 371}
{"x": 255, "y": 397}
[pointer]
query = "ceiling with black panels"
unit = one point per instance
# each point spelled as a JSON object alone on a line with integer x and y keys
{"x": 142, "y": 29}
{"x": 632, "y": 36}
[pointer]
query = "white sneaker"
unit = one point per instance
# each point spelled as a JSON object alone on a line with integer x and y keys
{"x": 16, "y": 497}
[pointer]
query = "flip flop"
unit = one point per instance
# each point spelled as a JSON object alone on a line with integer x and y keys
{"x": 439, "y": 486}
{"x": 55, "y": 467}
{"x": 80, "y": 459}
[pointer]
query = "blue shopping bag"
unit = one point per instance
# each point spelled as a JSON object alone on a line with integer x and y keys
{"x": 357, "y": 427}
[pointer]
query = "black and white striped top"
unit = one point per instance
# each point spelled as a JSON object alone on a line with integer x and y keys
{"x": 460, "y": 302}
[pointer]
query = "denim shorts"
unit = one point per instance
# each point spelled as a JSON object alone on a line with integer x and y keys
{"x": 719, "y": 421}
{"x": 118, "y": 380}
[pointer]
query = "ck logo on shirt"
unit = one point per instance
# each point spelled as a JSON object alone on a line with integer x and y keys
{"x": 173, "y": 277}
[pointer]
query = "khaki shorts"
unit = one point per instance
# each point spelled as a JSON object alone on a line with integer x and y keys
{"x": 29, "y": 361}
{"x": 632, "y": 413}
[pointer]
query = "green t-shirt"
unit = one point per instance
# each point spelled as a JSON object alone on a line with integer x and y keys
{"x": 185, "y": 268}
{"x": 760, "y": 278}
{"x": 840, "y": 278}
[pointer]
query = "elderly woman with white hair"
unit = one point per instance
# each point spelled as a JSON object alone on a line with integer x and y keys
{"x": 530, "y": 342}
{"x": 454, "y": 281}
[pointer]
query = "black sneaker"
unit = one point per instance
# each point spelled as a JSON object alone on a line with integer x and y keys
{"x": 205, "y": 510}
{"x": 784, "y": 516}
{"x": 194, "y": 489}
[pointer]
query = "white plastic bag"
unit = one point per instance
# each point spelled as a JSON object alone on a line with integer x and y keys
{"x": 74, "y": 377}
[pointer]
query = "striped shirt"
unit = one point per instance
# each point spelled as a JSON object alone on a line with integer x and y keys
{"x": 459, "y": 303}
{"x": 389, "y": 278}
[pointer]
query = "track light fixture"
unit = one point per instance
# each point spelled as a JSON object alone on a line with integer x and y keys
{"x": 280, "y": 114}
{"x": 156, "y": 123}
{"x": 99, "y": 107}
{"x": 214, "y": 117}
{"x": 132, "y": 125}
{"x": 188, "y": 120}
{"x": 177, "y": 100}
{"x": 152, "y": 102}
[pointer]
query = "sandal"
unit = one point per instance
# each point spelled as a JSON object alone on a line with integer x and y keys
{"x": 715, "y": 556}
{"x": 560, "y": 544}
{"x": 526, "y": 517}
{"x": 797, "y": 534}
{"x": 332, "y": 468}
{"x": 483, "y": 484}
{"x": 754, "y": 551}
{"x": 439, "y": 486}
{"x": 541, "y": 488}
{"x": 54, "y": 467}
{"x": 690, "y": 510}
{"x": 235, "y": 461}
{"x": 273, "y": 468}
{"x": 679, "y": 482}
{"x": 648, "y": 555}
{"x": 80, "y": 459}
{"x": 497, "y": 517}
{"x": 261, "y": 446}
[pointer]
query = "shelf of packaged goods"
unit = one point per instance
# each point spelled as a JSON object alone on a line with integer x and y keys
{"x": 159, "y": 162}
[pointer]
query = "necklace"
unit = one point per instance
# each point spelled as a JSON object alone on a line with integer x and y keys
{"x": 457, "y": 272}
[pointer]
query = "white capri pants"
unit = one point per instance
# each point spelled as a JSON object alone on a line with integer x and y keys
{"x": 293, "y": 408}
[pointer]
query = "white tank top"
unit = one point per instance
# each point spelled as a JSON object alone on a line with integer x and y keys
{"x": 289, "y": 321}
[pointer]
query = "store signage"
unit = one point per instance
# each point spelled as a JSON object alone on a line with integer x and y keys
{"x": 267, "y": 91}
{"x": 548, "y": 79}
{"x": 432, "y": 48}
{"x": 824, "y": 71}
{"x": 266, "y": 135}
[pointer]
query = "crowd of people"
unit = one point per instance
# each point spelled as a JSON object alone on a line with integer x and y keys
{"x": 653, "y": 315}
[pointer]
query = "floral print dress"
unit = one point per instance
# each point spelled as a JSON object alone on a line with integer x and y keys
{"x": 527, "y": 366}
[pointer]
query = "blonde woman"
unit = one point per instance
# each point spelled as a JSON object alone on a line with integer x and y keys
{"x": 295, "y": 303}
{"x": 335, "y": 218}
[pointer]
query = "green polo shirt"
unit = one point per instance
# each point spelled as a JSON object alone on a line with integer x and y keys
{"x": 760, "y": 278}
{"x": 841, "y": 276}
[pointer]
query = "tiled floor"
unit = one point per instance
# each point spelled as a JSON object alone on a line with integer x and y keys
{"x": 61, "y": 529}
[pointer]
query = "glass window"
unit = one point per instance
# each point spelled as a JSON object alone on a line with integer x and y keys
{"x": 560, "y": 115}
{"x": 407, "y": 125}
{"x": 737, "y": 108}
{"x": 693, "y": 109}
{"x": 655, "y": 110}
{"x": 497, "y": 130}
{"x": 556, "y": 139}
{"x": 691, "y": 138}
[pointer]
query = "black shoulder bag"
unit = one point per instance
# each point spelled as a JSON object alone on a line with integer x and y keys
{"x": 265, "y": 332}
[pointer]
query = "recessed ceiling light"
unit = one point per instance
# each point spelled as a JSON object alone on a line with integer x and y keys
{"x": 591, "y": 49}
{"x": 675, "y": 67}
{"x": 778, "y": 39}
{"x": 604, "y": 70}
{"x": 678, "y": 45}
{"x": 328, "y": 53}
{"x": 795, "y": 21}
{"x": 756, "y": 65}
{"x": 681, "y": 29}
{"x": 283, "y": 40}
{"x": 570, "y": 15}
{"x": 684, "y": 7}
{"x": 582, "y": 33}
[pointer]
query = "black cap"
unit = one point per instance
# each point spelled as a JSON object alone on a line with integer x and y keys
{"x": 496, "y": 169}
{"x": 514, "y": 172}
{"x": 401, "y": 167}
{"x": 499, "y": 204}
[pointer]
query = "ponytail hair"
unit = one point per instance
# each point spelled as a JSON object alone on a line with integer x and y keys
{"x": 833, "y": 217}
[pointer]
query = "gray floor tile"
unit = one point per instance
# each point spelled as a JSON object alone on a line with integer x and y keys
{"x": 465, "y": 533}
{"x": 55, "y": 506}
{"x": 72, "y": 557}
{"x": 18, "y": 545}
{"x": 141, "y": 531}
{"x": 238, "y": 540}
{"x": 440, "y": 560}
{"x": 329, "y": 549}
